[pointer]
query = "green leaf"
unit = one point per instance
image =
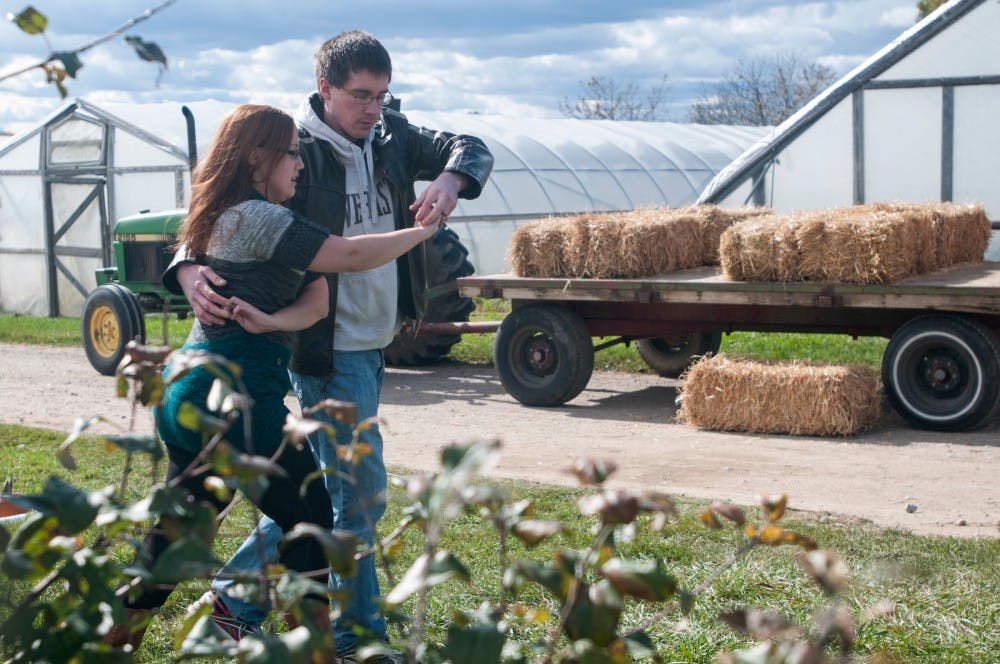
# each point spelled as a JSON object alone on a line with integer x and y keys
{"x": 147, "y": 51}
{"x": 73, "y": 508}
{"x": 222, "y": 398}
{"x": 590, "y": 472}
{"x": 199, "y": 637}
{"x": 56, "y": 76}
{"x": 479, "y": 643}
{"x": 470, "y": 458}
{"x": 291, "y": 588}
{"x": 645, "y": 579}
{"x": 63, "y": 454}
{"x": 183, "y": 560}
{"x": 292, "y": 647}
{"x": 341, "y": 411}
{"x": 640, "y": 645}
{"x": 298, "y": 430}
{"x": 29, "y": 553}
{"x": 827, "y": 569}
{"x": 144, "y": 443}
{"x": 70, "y": 62}
{"x": 251, "y": 466}
{"x": 595, "y": 614}
{"x": 619, "y": 506}
{"x": 555, "y": 579}
{"x": 533, "y": 532}
{"x": 426, "y": 572}
{"x": 339, "y": 546}
{"x": 193, "y": 418}
{"x": 762, "y": 625}
{"x": 30, "y": 20}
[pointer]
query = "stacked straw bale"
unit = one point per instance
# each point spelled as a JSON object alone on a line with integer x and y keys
{"x": 863, "y": 244}
{"x": 623, "y": 245}
{"x": 732, "y": 394}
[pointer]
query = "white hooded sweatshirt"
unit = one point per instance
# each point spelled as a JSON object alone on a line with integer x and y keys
{"x": 367, "y": 316}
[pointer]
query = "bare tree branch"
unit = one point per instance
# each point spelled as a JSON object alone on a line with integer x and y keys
{"x": 603, "y": 98}
{"x": 761, "y": 91}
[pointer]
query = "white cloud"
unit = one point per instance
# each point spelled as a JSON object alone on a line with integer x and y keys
{"x": 501, "y": 67}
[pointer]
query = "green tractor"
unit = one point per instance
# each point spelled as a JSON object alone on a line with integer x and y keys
{"x": 114, "y": 313}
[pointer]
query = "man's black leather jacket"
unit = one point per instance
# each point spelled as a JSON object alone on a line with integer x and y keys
{"x": 404, "y": 153}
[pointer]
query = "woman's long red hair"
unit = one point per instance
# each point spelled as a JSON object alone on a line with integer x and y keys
{"x": 225, "y": 176}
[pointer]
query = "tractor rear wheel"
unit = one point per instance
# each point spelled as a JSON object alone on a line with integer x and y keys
{"x": 447, "y": 260}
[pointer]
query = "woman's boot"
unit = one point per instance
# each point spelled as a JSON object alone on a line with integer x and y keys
{"x": 131, "y": 631}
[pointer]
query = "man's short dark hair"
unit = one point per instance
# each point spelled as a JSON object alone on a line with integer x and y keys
{"x": 349, "y": 52}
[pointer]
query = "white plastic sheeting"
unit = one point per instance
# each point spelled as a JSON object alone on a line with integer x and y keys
{"x": 915, "y": 122}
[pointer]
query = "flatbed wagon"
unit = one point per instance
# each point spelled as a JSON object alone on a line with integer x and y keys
{"x": 941, "y": 367}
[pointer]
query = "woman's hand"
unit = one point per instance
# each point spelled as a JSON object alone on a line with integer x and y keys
{"x": 250, "y": 318}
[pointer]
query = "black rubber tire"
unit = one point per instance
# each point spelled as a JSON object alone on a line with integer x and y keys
{"x": 671, "y": 356}
{"x": 543, "y": 354}
{"x": 111, "y": 318}
{"x": 942, "y": 372}
{"x": 447, "y": 260}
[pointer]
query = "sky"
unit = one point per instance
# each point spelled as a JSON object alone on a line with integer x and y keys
{"x": 514, "y": 58}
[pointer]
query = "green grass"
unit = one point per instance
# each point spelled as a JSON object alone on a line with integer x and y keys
{"x": 66, "y": 331}
{"x": 478, "y": 348}
{"x": 944, "y": 590}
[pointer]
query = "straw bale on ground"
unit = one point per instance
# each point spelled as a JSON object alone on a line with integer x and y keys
{"x": 623, "y": 245}
{"x": 731, "y": 394}
{"x": 863, "y": 244}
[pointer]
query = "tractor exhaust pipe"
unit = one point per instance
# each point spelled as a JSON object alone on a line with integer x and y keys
{"x": 192, "y": 143}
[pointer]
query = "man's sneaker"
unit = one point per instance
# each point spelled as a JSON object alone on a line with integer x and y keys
{"x": 233, "y": 627}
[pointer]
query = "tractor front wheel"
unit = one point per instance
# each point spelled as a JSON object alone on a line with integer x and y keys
{"x": 111, "y": 318}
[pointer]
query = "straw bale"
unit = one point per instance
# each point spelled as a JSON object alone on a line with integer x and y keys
{"x": 657, "y": 241}
{"x": 538, "y": 249}
{"x": 593, "y": 246}
{"x": 714, "y": 220}
{"x": 866, "y": 244}
{"x": 761, "y": 249}
{"x": 623, "y": 245}
{"x": 958, "y": 233}
{"x": 732, "y": 394}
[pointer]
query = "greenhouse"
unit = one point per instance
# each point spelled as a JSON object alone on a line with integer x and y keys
{"x": 65, "y": 181}
{"x": 916, "y": 122}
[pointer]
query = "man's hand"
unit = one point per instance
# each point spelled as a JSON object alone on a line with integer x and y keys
{"x": 198, "y": 283}
{"x": 438, "y": 200}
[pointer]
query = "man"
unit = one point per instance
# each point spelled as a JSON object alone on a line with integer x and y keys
{"x": 361, "y": 161}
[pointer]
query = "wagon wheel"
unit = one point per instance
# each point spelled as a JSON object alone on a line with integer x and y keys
{"x": 942, "y": 372}
{"x": 543, "y": 354}
{"x": 670, "y": 356}
{"x": 111, "y": 318}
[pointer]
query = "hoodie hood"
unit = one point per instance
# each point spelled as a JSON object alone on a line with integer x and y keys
{"x": 357, "y": 160}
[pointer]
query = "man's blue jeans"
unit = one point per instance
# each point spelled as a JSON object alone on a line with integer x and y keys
{"x": 358, "y": 379}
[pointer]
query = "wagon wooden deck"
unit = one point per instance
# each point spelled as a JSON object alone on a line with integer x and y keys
{"x": 941, "y": 368}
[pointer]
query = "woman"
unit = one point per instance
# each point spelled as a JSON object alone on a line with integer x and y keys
{"x": 270, "y": 258}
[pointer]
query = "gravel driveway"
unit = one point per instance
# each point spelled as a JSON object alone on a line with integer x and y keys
{"x": 950, "y": 478}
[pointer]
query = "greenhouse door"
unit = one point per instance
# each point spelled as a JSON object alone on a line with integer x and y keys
{"x": 76, "y": 214}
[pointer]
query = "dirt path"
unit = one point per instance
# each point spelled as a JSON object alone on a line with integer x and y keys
{"x": 951, "y": 478}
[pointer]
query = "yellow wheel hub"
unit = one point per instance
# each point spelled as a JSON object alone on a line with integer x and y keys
{"x": 105, "y": 331}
